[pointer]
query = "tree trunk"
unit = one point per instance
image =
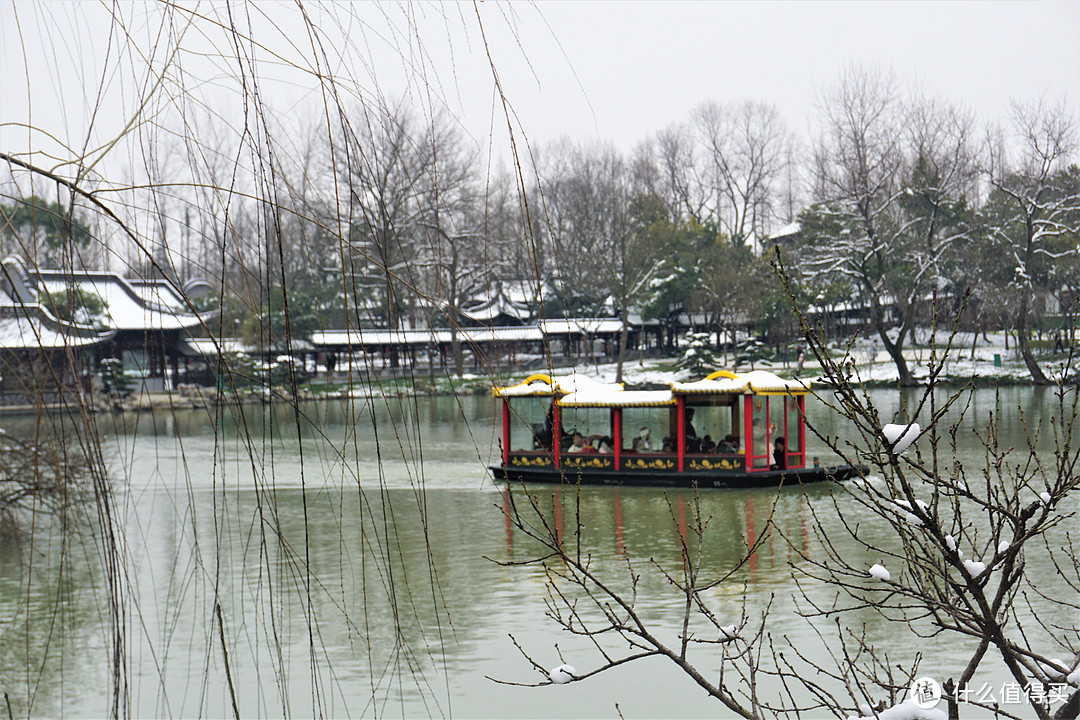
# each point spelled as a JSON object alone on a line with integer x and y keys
{"x": 622, "y": 345}
{"x": 734, "y": 350}
{"x": 455, "y": 349}
{"x": 895, "y": 349}
{"x": 1023, "y": 341}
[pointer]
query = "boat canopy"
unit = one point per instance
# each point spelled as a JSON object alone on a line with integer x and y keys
{"x": 541, "y": 385}
{"x": 613, "y": 399}
{"x": 745, "y": 424}
{"x": 577, "y": 390}
{"x": 755, "y": 382}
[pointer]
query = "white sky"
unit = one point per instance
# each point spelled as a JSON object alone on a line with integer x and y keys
{"x": 611, "y": 70}
{"x": 645, "y": 65}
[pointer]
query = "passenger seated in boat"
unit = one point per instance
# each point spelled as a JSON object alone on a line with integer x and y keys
{"x": 669, "y": 445}
{"x": 590, "y": 444}
{"x": 707, "y": 444}
{"x": 729, "y": 445}
{"x": 606, "y": 445}
{"x": 641, "y": 442}
{"x": 779, "y": 454}
{"x": 578, "y": 445}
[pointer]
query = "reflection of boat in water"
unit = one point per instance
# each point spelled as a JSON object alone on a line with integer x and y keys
{"x": 727, "y": 430}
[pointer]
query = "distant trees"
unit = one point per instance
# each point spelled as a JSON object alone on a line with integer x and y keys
{"x": 388, "y": 215}
{"x": 41, "y": 230}
{"x": 76, "y": 305}
{"x": 387, "y": 162}
{"x": 1033, "y": 214}
{"x": 744, "y": 152}
{"x": 891, "y": 179}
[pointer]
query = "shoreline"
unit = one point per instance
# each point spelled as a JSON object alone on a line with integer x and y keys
{"x": 194, "y": 398}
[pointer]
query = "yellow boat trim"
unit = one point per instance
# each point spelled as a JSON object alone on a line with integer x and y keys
{"x": 602, "y": 404}
{"x": 536, "y": 377}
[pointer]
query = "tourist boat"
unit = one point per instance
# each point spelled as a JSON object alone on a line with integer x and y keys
{"x": 572, "y": 429}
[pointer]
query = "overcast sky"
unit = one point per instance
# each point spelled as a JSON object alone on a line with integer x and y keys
{"x": 644, "y": 65}
{"x": 613, "y": 70}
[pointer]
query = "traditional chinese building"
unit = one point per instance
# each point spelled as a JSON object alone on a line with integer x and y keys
{"x": 141, "y": 323}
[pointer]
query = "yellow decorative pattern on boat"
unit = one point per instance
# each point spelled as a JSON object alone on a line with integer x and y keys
{"x": 710, "y": 464}
{"x": 591, "y": 461}
{"x": 531, "y": 461}
{"x": 651, "y": 464}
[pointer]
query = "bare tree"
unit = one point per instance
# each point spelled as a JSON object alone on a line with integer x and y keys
{"x": 745, "y": 150}
{"x": 684, "y": 189}
{"x": 388, "y": 168}
{"x": 583, "y": 210}
{"x": 894, "y": 171}
{"x": 958, "y": 552}
{"x": 1037, "y": 208}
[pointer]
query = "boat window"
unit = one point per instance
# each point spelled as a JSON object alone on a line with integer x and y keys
{"x": 587, "y": 421}
{"x": 712, "y": 423}
{"x": 763, "y": 416}
{"x": 653, "y": 421}
{"x": 530, "y": 429}
{"x": 793, "y": 433}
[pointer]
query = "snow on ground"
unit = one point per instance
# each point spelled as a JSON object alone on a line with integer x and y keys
{"x": 970, "y": 356}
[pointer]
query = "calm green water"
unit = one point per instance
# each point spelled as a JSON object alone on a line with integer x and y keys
{"x": 354, "y": 552}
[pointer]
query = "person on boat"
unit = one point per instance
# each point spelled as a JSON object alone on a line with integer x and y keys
{"x": 546, "y": 437}
{"x": 693, "y": 444}
{"x": 642, "y": 442}
{"x": 760, "y": 437}
{"x": 578, "y": 445}
{"x": 606, "y": 445}
{"x": 779, "y": 454}
{"x": 707, "y": 444}
{"x": 588, "y": 447}
{"x": 669, "y": 445}
{"x": 729, "y": 445}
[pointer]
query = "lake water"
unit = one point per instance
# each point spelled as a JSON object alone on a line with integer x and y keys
{"x": 353, "y": 557}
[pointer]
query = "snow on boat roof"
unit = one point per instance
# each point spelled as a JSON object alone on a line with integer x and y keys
{"x": 582, "y": 391}
{"x": 755, "y": 381}
{"x": 617, "y": 398}
{"x": 545, "y": 385}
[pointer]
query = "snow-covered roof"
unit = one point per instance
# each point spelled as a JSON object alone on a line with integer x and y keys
{"x": 158, "y": 292}
{"x": 498, "y": 301}
{"x": 25, "y": 327}
{"x": 362, "y": 336}
{"x": 586, "y": 326}
{"x": 617, "y": 398}
{"x": 125, "y": 308}
{"x": 786, "y": 231}
{"x": 212, "y": 347}
{"x": 577, "y": 390}
{"x": 546, "y": 385}
{"x": 755, "y": 381}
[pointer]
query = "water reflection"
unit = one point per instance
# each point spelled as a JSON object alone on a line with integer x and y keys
{"x": 354, "y": 553}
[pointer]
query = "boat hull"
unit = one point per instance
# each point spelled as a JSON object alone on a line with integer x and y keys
{"x": 686, "y": 479}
